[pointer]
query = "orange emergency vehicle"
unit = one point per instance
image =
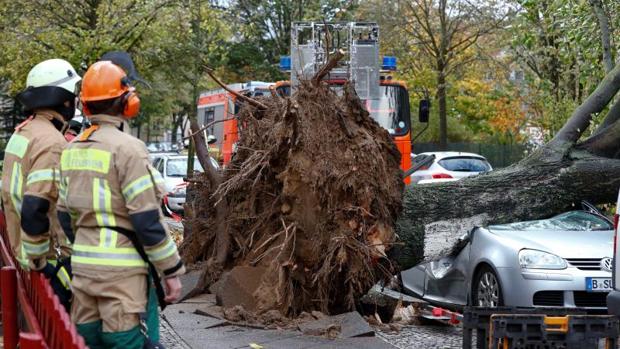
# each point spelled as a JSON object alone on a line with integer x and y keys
{"x": 220, "y": 105}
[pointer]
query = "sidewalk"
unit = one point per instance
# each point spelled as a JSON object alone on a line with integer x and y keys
{"x": 182, "y": 328}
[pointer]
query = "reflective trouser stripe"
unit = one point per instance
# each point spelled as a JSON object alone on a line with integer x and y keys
{"x": 136, "y": 187}
{"x": 64, "y": 278}
{"x": 62, "y": 189}
{"x": 34, "y": 249}
{"x": 116, "y": 257}
{"x": 102, "y": 204}
{"x": 17, "y": 145}
{"x": 16, "y": 188}
{"x": 50, "y": 174}
{"x": 163, "y": 252}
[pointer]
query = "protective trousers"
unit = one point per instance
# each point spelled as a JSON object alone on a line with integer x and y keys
{"x": 107, "y": 314}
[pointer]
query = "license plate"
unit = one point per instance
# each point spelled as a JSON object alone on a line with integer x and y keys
{"x": 598, "y": 284}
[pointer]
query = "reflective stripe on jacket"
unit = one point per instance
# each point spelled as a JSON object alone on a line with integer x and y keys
{"x": 30, "y": 176}
{"x": 108, "y": 188}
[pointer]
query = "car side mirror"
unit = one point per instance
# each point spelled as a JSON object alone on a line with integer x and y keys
{"x": 424, "y": 110}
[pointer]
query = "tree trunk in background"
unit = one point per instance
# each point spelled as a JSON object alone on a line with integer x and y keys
{"x": 175, "y": 127}
{"x": 603, "y": 24}
{"x": 443, "y": 111}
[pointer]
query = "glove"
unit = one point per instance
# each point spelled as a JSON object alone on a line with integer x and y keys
{"x": 61, "y": 282}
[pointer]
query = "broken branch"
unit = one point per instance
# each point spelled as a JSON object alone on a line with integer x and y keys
{"x": 207, "y": 126}
{"x": 242, "y": 97}
{"x": 582, "y": 116}
{"x": 331, "y": 64}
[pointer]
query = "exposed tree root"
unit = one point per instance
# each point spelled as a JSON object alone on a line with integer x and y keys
{"x": 312, "y": 194}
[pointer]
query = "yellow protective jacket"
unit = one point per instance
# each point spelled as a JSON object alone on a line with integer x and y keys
{"x": 29, "y": 189}
{"x": 108, "y": 187}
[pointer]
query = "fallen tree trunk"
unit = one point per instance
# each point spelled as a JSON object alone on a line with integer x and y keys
{"x": 553, "y": 179}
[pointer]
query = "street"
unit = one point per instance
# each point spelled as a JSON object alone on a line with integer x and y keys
{"x": 425, "y": 337}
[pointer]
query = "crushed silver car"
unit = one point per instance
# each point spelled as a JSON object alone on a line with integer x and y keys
{"x": 564, "y": 261}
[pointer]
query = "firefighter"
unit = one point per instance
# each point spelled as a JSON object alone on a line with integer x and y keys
{"x": 110, "y": 201}
{"x": 30, "y": 174}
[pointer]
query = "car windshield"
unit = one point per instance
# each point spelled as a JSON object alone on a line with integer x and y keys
{"x": 178, "y": 167}
{"x": 569, "y": 221}
{"x": 391, "y": 110}
{"x": 465, "y": 164}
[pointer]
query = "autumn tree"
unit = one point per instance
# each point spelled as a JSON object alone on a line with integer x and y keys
{"x": 446, "y": 31}
{"x": 80, "y": 32}
{"x": 565, "y": 48}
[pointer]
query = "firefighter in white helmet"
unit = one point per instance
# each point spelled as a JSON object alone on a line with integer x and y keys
{"x": 30, "y": 174}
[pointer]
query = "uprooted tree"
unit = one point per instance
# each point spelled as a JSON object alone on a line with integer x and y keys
{"x": 309, "y": 199}
{"x": 552, "y": 179}
{"x": 314, "y": 190}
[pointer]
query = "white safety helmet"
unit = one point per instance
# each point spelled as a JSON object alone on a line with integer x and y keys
{"x": 53, "y": 72}
{"x": 51, "y": 84}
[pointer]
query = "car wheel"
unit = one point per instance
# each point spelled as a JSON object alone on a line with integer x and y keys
{"x": 487, "y": 292}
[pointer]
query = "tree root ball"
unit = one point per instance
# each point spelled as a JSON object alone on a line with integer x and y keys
{"x": 312, "y": 195}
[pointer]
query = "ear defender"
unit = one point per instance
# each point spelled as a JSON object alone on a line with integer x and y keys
{"x": 85, "y": 110}
{"x": 131, "y": 104}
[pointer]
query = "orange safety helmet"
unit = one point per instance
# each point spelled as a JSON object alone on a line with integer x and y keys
{"x": 103, "y": 81}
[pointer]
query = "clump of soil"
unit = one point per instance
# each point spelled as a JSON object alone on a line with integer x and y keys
{"x": 312, "y": 195}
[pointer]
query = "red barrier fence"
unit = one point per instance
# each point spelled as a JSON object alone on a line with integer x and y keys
{"x": 47, "y": 324}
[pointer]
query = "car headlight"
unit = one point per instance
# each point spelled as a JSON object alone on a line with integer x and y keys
{"x": 534, "y": 259}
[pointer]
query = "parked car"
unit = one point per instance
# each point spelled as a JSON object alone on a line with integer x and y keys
{"x": 154, "y": 147}
{"x": 613, "y": 299}
{"x": 448, "y": 166}
{"x": 173, "y": 169}
{"x": 562, "y": 261}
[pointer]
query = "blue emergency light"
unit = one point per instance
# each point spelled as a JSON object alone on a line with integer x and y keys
{"x": 389, "y": 63}
{"x": 285, "y": 63}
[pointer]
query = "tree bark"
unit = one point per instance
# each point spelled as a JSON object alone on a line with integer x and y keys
{"x": 202, "y": 151}
{"x": 612, "y": 116}
{"x": 223, "y": 239}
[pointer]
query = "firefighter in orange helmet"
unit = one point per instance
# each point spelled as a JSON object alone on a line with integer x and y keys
{"x": 110, "y": 201}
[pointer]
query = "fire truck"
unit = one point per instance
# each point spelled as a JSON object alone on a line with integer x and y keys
{"x": 220, "y": 105}
{"x": 386, "y": 99}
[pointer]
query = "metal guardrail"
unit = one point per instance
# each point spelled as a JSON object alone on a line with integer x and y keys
{"x": 47, "y": 324}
